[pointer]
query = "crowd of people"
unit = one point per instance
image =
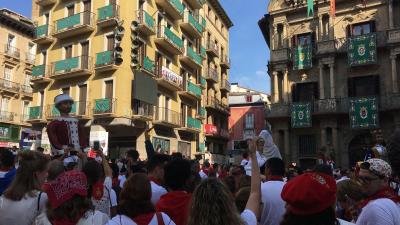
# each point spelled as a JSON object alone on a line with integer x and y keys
{"x": 165, "y": 189}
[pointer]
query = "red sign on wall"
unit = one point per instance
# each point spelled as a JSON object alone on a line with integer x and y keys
{"x": 210, "y": 129}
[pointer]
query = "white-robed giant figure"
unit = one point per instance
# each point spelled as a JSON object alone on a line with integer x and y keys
{"x": 266, "y": 149}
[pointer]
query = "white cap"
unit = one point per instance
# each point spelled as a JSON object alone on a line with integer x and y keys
{"x": 62, "y": 98}
{"x": 71, "y": 159}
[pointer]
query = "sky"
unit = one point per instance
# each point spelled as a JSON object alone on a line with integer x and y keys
{"x": 248, "y": 51}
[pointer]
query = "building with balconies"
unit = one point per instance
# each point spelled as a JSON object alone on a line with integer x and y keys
{"x": 17, "y": 57}
{"x": 132, "y": 64}
{"x": 334, "y": 77}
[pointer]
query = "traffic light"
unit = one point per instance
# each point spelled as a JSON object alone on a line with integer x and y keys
{"x": 136, "y": 43}
{"x": 118, "y": 35}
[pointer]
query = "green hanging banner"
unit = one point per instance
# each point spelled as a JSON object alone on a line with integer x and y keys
{"x": 310, "y": 7}
{"x": 302, "y": 57}
{"x": 364, "y": 113}
{"x": 361, "y": 50}
{"x": 301, "y": 115}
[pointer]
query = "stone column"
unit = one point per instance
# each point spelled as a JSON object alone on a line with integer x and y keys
{"x": 395, "y": 87}
{"x": 323, "y": 137}
{"x": 285, "y": 88}
{"x": 321, "y": 81}
{"x": 286, "y": 146}
{"x": 332, "y": 79}
{"x": 276, "y": 86}
{"x": 335, "y": 145}
{"x": 391, "y": 25}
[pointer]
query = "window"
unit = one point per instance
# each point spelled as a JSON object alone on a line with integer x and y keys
{"x": 25, "y": 108}
{"x": 280, "y": 35}
{"x": 11, "y": 40}
{"x": 303, "y": 39}
{"x": 363, "y": 86}
{"x": 41, "y": 98}
{"x": 7, "y": 76}
{"x": 305, "y": 92}
{"x": 27, "y": 80}
{"x": 44, "y": 57}
{"x": 161, "y": 145}
{"x": 4, "y": 104}
{"x": 47, "y": 18}
{"x": 82, "y": 99}
{"x": 361, "y": 28}
{"x": 68, "y": 51}
{"x": 110, "y": 42}
{"x": 70, "y": 10}
{"x": 184, "y": 148}
{"x": 325, "y": 27}
{"x": 249, "y": 122}
{"x": 307, "y": 145}
{"x": 168, "y": 63}
{"x": 109, "y": 87}
{"x": 249, "y": 98}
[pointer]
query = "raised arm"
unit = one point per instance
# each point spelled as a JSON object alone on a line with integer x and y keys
{"x": 253, "y": 203}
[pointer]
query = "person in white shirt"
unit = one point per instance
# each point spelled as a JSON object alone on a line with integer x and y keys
{"x": 204, "y": 171}
{"x": 70, "y": 189}
{"x": 261, "y": 159}
{"x": 135, "y": 206}
{"x": 213, "y": 203}
{"x": 382, "y": 206}
{"x": 245, "y": 159}
{"x": 23, "y": 200}
{"x": 155, "y": 172}
{"x": 273, "y": 204}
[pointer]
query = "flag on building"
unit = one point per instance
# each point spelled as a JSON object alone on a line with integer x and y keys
{"x": 333, "y": 8}
{"x": 364, "y": 113}
{"x": 362, "y": 50}
{"x": 302, "y": 56}
{"x": 301, "y": 115}
{"x": 310, "y": 7}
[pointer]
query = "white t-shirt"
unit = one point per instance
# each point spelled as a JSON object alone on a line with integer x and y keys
{"x": 105, "y": 203}
{"x": 156, "y": 192}
{"x": 124, "y": 220}
{"x": 273, "y": 205}
{"x": 22, "y": 212}
{"x": 249, "y": 217}
{"x": 344, "y": 222}
{"x": 244, "y": 162}
{"x": 90, "y": 218}
{"x": 382, "y": 211}
{"x": 261, "y": 159}
{"x": 122, "y": 179}
{"x": 203, "y": 175}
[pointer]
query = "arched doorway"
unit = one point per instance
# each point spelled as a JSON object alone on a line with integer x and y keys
{"x": 358, "y": 147}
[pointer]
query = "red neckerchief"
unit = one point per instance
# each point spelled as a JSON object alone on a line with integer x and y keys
{"x": 386, "y": 192}
{"x": 275, "y": 178}
{"x": 155, "y": 180}
{"x": 143, "y": 219}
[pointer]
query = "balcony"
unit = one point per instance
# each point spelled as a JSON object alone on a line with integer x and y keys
{"x": 12, "y": 54}
{"x": 201, "y": 113}
{"x": 174, "y": 8}
{"x": 142, "y": 111}
{"x": 191, "y": 25}
{"x": 29, "y": 58}
{"x": 44, "y": 3}
{"x": 35, "y": 115}
{"x": 166, "y": 117}
{"x": 203, "y": 52}
{"x": 71, "y": 67}
{"x": 79, "y": 109}
{"x": 74, "y": 25}
{"x": 43, "y": 34}
{"x": 212, "y": 48}
{"x": 7, "y": 116}
{"x": 191, "y": 58}
{"x": 105, "y": 62}
{"x": 168, "y": 79}
{"x": 146, "y": 23}
{"x": 331, "y": 106}
{"x": 26, "y": 90}
{"x": 278, "y": 110}
{"x": 191, "y": 91}
{"x": 393, "y": 36}
{"x": 169, "y": 41}
{"x": 326, "y": 47}
{"x": 196, "y": 4}
{"x": 191, "y": 125}
{"x": 104, "y": 107}
{"x": 9, "y": 86}
{"x": 215, "y": 104}
{"x": 225, "y": 85}
{"x": 203, "y": 82}
{"x": 108, "y": 15}
{"x": 225, "y": 62}
{"x": 211, "y": 130}
{"x": 148, "y": 66}
{"x": 40, "y": 74}
{"x": 212, "y": 75}
{"x": 280, "y": 55}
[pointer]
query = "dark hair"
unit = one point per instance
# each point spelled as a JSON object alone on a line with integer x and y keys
{"x": 71, "y": 209}
{"x": 230, "y": 183}
{"x": 133, "y": 154}
{"x": 135, "y": 196}
{"x": 245, "y": 155}
{"x": 326, "y": 217}
{"x": 206, "y": 164}
{"x": 156, "y": 161}
{"x": 393, "y": 152}
{"x": 56, "y": 167}
{"x": 94, "y": 172}
{"x": 115, "y": 169}
{"x": 193, "y": 182}
{"x": 176, "y": 155}
{"x": 276, "y": 166}
{"x": 176, "y": 174}
{"x": 7, "y": 158}
{"x": 25, "y": 181}
{"x": 40, "y": 149}
{"x": 323, "y": 168}
{"x": 241, "y": 198}
{"x": 244, "y": 181}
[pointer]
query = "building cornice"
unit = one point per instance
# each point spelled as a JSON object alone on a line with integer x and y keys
{"x": 221, "y": 12}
